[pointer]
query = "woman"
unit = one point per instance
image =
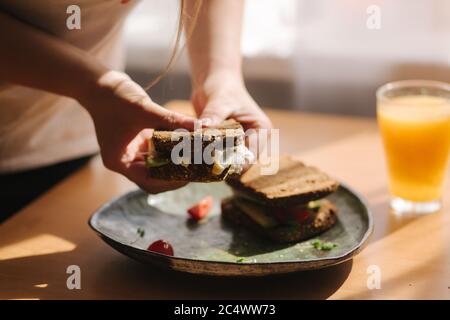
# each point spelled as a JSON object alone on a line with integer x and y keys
{"x": 48, "y": 71}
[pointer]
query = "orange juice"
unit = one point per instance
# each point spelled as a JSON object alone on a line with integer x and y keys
{"x": 416, "y": 135}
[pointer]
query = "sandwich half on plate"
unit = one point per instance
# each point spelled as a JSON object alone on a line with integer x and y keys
{"x": 205, "y": 155}
{"x": 286, "y": 207}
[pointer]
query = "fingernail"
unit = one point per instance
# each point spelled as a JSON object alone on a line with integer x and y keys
{"x": 126, "y": 158}
{"x": 206, "y": 122}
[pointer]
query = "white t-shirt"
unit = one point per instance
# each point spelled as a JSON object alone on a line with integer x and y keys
{"x": 38, "y": 128}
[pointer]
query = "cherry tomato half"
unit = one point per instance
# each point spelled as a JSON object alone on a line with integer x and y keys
{"x": 202, "y": 208}
{"x": 161, "y": 246}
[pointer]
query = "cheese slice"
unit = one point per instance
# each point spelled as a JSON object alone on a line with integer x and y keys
{"x": 256, "y": 213}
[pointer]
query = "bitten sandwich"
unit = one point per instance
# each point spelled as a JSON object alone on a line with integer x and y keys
{"x": 225, "y": 155}
{"x": 286, "y": 207}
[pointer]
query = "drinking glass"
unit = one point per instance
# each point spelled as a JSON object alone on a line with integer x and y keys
{"x": 414, "y": 120}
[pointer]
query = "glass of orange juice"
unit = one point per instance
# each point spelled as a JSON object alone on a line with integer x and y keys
{"x": 414, "y": 120}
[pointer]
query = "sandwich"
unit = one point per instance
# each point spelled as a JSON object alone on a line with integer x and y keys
{"x": 208, "y": 154}
{"x": 289, "y": 206}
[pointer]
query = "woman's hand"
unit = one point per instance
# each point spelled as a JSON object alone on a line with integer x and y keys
{"x": 223, "y": 95}
{"x": 123, "y": 113}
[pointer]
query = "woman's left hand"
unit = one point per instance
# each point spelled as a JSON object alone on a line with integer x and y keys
{"x": 222, "y": 96}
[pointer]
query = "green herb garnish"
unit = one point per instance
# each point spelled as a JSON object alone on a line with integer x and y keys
{"x": 324, "y": 246}
{"x": 328, "y": 246}
{"x": 240, "y": 260}
{"x": 141, "y": 232}
{"x": 317, "y": 244}
{"x": 155, "y": 162}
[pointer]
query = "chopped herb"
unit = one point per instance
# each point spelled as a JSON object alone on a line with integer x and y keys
{"x": 317, "y": 244}
{"x": 328, "y": 245}
{"x": 155, "y": 162}
{"x": 141, "y": 232}
{"x": 240, "y": 260}
{"x": 324, "y": 246}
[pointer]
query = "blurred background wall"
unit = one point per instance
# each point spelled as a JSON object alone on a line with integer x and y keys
{"x": 313, "y": 55}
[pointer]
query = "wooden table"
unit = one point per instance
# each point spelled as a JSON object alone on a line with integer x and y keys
{"x": 413, "y": 253}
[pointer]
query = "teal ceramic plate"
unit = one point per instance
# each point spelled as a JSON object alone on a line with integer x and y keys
{"x": 214, "y": 247}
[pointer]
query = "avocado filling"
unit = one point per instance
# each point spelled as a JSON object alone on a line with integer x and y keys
{"x": 155, "y": 162}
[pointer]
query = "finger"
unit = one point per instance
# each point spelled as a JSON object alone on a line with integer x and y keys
{"x": 254, "y": 120}
{"x": 137, "y": 149}
{"x": 216, "y": 112}
{"x": 171, "y": 120}
{"x": 198, "y": 100}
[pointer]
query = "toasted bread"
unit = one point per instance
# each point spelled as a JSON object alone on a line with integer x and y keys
{"x": 294, "y": 183}
{"x": 164, "y": 141}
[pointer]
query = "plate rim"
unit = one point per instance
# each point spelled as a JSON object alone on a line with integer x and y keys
{"x": 329, "y": 261}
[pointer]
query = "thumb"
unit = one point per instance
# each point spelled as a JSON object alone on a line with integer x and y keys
{"x": 215, "y": 112}
{"x": 172, "y": 120}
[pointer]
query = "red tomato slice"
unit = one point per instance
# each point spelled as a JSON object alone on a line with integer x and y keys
{"x": 202, "y": 208}
{"x": 299, "y": 214}
{"x": 161, "y": 246}
{"x": 296, "y": 214}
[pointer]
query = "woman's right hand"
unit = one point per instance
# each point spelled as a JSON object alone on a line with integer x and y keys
{"x": 124, "y": 116}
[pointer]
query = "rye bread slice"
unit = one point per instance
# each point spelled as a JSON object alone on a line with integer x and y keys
{"x": 317, "y": 223}
{"x": 294, "y": 183}
{"x": 191, "y": 172}
{"x": 229, "y": 129}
